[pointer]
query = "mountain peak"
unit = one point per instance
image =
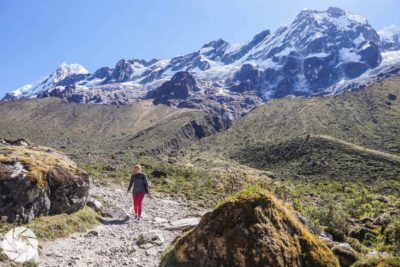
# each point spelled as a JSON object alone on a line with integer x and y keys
{"x": 335, "y": 12}
{"x": 216, "y": 43}
{"x": 75, "y": 68}
{"x": 331, "y": 15}
{"x": 314, "y": 52}
{"x": 64, "y": 70}
{"x": 390, "y": 38}
{"x": 31, "y": 90}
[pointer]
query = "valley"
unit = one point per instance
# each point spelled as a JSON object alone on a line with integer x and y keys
{"x": 282, "y": 151}
{"x": 313, "y": 152}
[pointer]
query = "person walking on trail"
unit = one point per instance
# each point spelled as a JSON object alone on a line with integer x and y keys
{"x": 140, "y": 188}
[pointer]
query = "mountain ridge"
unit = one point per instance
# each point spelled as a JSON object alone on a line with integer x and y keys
{"x": 320, "y": 52}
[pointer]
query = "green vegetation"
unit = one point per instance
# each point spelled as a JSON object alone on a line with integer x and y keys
{"x": 52, "y": 227}
{"x": 38, "y": 161}
{"x": 200, "y": 185}
{"x": 101, "y": 133}
{"x": 363, "y": 118}
{"x": 334, "y": 159}
{"x": 322, "y": 157}
{"x": 62, "y": 225}
{"x": 379, "y": 261}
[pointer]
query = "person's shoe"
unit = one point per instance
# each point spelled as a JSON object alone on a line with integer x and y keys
{"x": 136, "y": 217}
{"x": 139, "y": 219}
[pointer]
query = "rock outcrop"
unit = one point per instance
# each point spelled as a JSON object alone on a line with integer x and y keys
{"x": 251, "y": 228}
{"x": 179, "y": 87}
{"x": 37, "y": 181}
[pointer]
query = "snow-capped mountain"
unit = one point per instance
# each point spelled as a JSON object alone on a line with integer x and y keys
{"x": 316, "y": 50}
{"x": 389, "y": 67}
{"x": 390, "y": 38}
{"x": 61, "y": 75}
{"x": 320, "y": 52}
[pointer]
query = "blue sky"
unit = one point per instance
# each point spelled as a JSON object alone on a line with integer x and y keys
{"x": 38, "y": 35}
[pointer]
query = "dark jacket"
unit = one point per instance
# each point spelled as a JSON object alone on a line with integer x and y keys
{"x": 139, "y": 182}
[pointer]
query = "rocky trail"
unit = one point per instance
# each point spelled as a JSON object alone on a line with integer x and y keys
{"x": 120, "y": 241}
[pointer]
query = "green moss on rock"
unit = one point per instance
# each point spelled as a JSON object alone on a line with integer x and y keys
{"x": 250, "y": 228}
{"x": 37, "y": 180}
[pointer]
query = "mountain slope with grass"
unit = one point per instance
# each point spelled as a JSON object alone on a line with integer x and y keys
{"x": 368, "y": 117}
{"x": 99, "y": 132}
{"x": 335, "y": 159}
{"x": 321, "y": 156}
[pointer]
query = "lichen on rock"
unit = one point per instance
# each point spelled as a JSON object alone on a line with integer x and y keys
{"x": 37, "y": 180}
{"x": 251, "y": 228}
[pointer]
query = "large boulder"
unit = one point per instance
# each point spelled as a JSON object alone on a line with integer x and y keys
{"x": 251, "y": 228}
{"x": 38, "y": 181}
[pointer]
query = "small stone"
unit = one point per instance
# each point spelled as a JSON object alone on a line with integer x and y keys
{"x": 183, "y": 223}
{"x": 92, "y": 233}
{"x": 382, "y": 220}
{"x": 392, "y": 96}
{"x": 153, "y": 237}
{"x": 94, "y": 204}
{"x": 146, "y": 246}
{"x": 160, "y": 220}
{"x": 110, "y": 168}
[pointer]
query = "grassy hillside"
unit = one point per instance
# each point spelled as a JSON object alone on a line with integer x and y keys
{"x": 320, "y": 156}
{"x": 99, "y": 132}
{"x": 352, "y": 136}
{"x": 368, "y": 117}
{"x": 336, "y": 159}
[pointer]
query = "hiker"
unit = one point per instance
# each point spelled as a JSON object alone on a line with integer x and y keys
{"x": 140, "y": 188}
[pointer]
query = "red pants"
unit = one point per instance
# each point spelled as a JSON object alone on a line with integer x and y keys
{"x": 137, "y": 203}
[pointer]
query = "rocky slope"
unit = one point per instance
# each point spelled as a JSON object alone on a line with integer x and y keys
{"x": 119, "y": 241}
{"x": 251, "y": 228}
{"x": 390, "y": 38}
{"x": 37, "y": 181}
{"x": 320, "y": 52}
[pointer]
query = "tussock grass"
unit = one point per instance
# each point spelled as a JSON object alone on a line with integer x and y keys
{"x": 61, "y": 225}
{"x": 53, "y": 227}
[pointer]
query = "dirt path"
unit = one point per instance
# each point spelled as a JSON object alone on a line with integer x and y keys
{"x": 115, "y": 244}
{"x": 362, "y": 148}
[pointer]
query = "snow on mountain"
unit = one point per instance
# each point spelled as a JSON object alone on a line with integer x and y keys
{"x": 389, "y": 67}
{"x": 313, "y": 52}
{"x": 61, "y": 73}
{"x": 320, "y": 52}
{"x": 390, "y": 38}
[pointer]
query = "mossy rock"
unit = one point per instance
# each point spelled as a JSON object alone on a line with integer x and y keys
{"x": 251, "y": 228}
{"x": 38, "y": 181}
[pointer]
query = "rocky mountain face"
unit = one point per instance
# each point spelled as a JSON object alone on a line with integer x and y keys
{"x": 37, "y": 181}
{"x": 320, "y": 52}
{"x": 63, "y": 75}
{"x": 390, "y": 38}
